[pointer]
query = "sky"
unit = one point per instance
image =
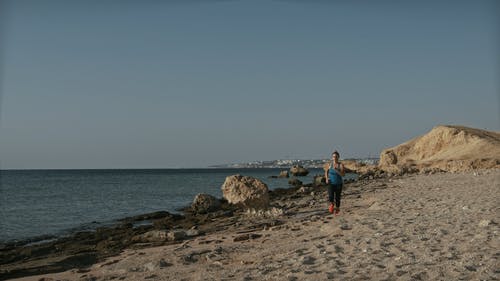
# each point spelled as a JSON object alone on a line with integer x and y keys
{"x": 193, "y": 83}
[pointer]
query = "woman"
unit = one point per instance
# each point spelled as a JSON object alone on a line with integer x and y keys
{"x": 333, "y": 176}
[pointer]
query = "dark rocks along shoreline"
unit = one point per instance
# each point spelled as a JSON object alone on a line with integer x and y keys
{"x": 49, "y": 254}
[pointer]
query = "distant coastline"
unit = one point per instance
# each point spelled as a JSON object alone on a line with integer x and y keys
{"x": 269, "y": 164}
{"x": 287, "y": 163}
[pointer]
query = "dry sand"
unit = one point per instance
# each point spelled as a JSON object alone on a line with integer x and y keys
{"x": 418, "y": 227}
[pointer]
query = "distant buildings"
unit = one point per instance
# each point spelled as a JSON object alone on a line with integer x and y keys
{"x": 286, "y": 164}
{"x": 369, "y": 161}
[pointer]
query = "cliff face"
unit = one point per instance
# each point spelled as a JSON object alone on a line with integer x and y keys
{"x": 449, "y": 148}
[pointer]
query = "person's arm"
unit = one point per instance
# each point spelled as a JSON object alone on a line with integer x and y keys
{"x": 342, "y": 171}
{"x": 326, "y": 174}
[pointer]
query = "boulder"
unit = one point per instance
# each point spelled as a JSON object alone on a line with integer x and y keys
{"x": 283, "y": 174}
{"x": 176, "y": 235}
{"x": 299, "y": 171}
{"x": 305, "y": 189}
{"x": 319, "y": 180}
{"x": 294, "y": 182}
{"x": 204, "y": 203}
{"x": 247, "y": 192}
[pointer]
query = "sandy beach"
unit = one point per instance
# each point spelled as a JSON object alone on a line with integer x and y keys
{"x": 210, "y": 140}
{"x": 415, "y": 227}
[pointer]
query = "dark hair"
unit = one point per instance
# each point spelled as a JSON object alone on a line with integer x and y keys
{"x": 336, "y": 152}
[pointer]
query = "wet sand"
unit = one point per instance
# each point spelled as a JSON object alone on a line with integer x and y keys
{"x": 415, "y": 227}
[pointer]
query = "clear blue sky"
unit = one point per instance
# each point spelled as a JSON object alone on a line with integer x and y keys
{"x": 162, "y": 84}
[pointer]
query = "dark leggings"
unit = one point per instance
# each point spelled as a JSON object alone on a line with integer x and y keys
{"x": 334, "y": 191}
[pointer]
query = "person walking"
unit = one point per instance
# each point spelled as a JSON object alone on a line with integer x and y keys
{"x": 334, "y": 180}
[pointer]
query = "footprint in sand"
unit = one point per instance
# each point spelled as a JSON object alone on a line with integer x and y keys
{"x": 338, "y": 249}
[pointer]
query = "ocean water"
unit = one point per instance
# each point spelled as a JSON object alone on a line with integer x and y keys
{"x": 35, "y": 203}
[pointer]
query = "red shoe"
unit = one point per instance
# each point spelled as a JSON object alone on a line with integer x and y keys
{"x": 331, "y": 208}
{"x": 337, "y": 212}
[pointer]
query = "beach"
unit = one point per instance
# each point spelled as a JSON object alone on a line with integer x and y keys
{"x": 200, "y": 140}
{"x": 441, "y": 226}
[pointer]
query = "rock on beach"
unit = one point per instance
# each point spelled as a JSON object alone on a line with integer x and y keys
{"x": 248, "y": 192}
{"x": 283, "y": 174}
{"x": 204, "y": 203}
{"x": 298, "y": 171}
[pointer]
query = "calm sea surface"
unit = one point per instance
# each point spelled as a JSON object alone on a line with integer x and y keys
{"x": 57, "y": 202}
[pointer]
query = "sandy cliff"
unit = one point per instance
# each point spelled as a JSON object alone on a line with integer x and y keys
{"x": 449, "y": 148}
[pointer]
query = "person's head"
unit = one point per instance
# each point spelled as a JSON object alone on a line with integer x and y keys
{"x": 335, "y": 155}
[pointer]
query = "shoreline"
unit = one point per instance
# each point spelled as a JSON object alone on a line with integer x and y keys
{"x": 301, "y": 212}
{"x": 25, "y": 229}
{"x": 63, "y": 252}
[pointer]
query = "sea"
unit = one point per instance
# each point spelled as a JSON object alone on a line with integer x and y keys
{"x": 37, "y": 205}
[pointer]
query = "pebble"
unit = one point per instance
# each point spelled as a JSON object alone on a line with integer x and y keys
{"x": 162, "y": 263}
{"x": 345, "y": 226}
{"x": 150, "y": 266}
{"x": 484, "y": 223}
{"x": 308, "y": 260}
{"x": 247, "y": 236}
{"x": 192, "y": 232}
{"x": 470, "y": 268}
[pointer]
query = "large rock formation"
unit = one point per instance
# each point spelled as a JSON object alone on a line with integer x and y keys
{"x": 248, "y": 192}
{"x": 448, "y": 148}
{"x": 298, "y": 171}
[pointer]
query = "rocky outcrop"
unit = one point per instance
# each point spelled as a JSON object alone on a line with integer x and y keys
{"x": 319, "y": 180}
{"x": 247, "y": 192}
{"x": 294, "y": 182}
{"x": 160, "y": 236}
{"x": 204, "y": 203}
{"x": 298, "y": 171}
{"x": 305, "y": 189}
{"x": 353, "y": 166}
{"x": 283, "y": 174}
{"x": 447, "y": 148}
{"x": 165, "y": 235}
